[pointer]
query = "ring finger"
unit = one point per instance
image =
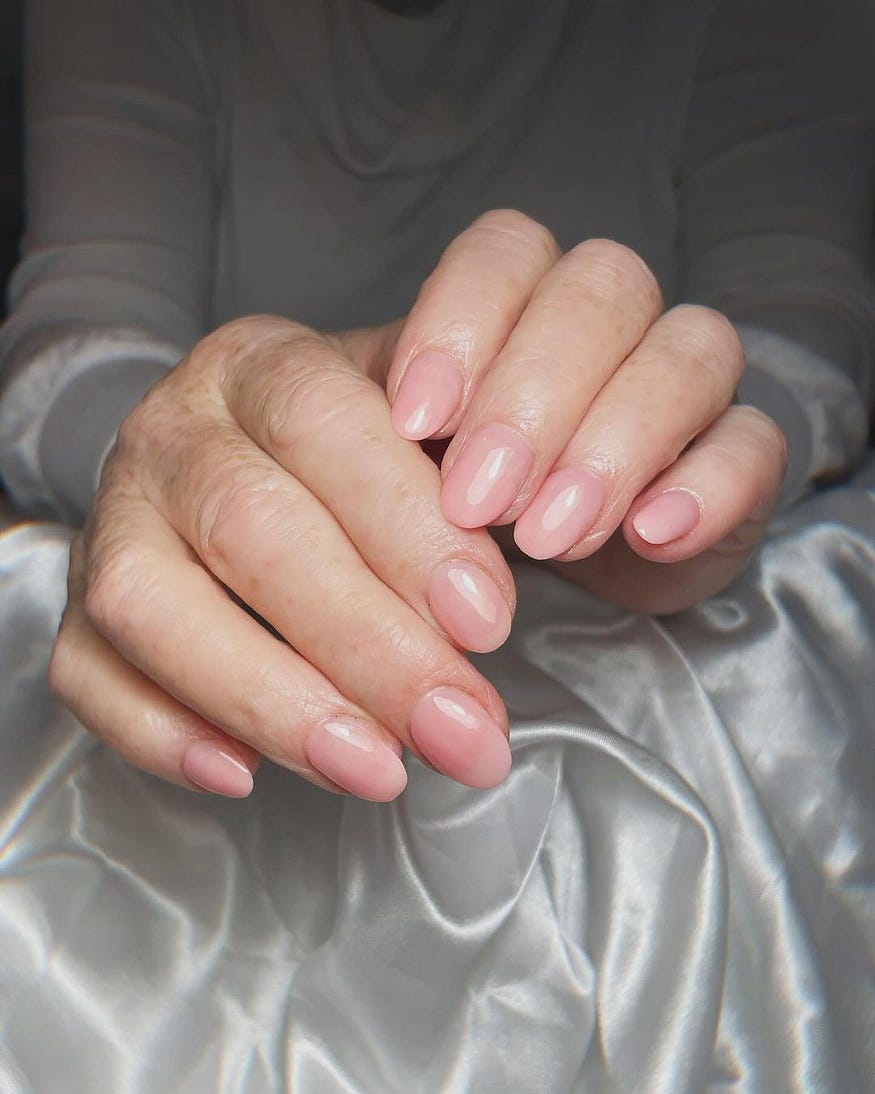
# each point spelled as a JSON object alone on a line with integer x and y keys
{"x": 677, "y": 381}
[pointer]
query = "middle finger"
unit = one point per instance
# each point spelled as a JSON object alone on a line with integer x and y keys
{"x": 584, "y": 318}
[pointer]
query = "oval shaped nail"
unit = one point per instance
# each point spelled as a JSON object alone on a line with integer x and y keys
{"x": 460, "y": 738}
{"x": 213, "y": 768}
{"x": 563, "y": 510}
{"x": 356, "y": 757}
{"x": 486, "y": 477}
{"x": 469, "y": 606}
{"x": 428, "y": 395}
{"x": 667, "y": 517}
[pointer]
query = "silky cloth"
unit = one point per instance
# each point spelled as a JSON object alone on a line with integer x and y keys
{"x": 674, "y": 891}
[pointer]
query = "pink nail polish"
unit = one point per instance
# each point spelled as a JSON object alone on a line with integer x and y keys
{"x": 565, "y": 507}
{"x": 460, "y": 738}
{"x": 486, "y": 477}
{"x": 209, "y": 766}
{"x": 428, "y": 395}
{"x": 667, "y": 517}
{"x": 355, "y": 757}
{"x": 469, "y": 606}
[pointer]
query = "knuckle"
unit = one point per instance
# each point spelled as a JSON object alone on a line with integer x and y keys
{"x": 711, "y": 338}
{"x": 231, "y": 517}
{"x": 315, "y": 394}
{"x": 134, "y": 430}
{"x": 62, "y": 671}
{"x": 711, "y": 348}
{"x": 113, "y": 584}
{"x": 765, "y": 431}
{"x": 511, "y": 228}
{"x": 240, "y": 334}
{"x": 149, "y": 426}
{"x": 222, "y": 519}
{"x": 224, "y": 357}
{"x": 615, "y": 275}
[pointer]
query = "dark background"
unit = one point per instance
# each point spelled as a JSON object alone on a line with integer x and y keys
{"x": 10, "y": 138}
{"x": 10, "y": 141}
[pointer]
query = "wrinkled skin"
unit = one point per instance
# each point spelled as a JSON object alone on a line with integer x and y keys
{"x": 280, "y": 465}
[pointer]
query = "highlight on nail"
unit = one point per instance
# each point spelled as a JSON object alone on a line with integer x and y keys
{"x": 428, "y": 396}
{"x": 354, "y": 755}
{"x": 487, "y": 476}
{"x": 469, "y": 605}
{"x": 211, "y": 767}
{"x": 668, "y": 517}
{"x": 561, "y": 513}
{"x": 456, "y": 734}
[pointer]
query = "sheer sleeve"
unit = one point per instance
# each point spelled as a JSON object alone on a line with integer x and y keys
{"x": 114, "y": 283}
{"x": 775, "y": 215}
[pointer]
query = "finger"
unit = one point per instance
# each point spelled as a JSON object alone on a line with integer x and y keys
{"x": 166, "y": 616}
{"x": 719, "y": 495}
{"x": 462, "y": 317}
{"x": 674, "y": 384}
{"x": 584, "y": 318}
{"x": 329, "y": 427}
{"x": 264, "y": 535}
{"x": 728, "y": 485}
{"x": 132, "y": 715}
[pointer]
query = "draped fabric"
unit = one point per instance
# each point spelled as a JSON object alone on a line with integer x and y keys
{"x": 674, "y": 891}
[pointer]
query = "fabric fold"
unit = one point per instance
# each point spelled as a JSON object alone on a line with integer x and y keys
{"x": 672, "y": 892}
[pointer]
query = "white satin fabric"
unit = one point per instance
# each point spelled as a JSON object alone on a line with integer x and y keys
{"x": 674, "y": 891}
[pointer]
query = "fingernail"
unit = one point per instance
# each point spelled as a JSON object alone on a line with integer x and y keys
{"x": 469, "y": 606}
{"x": 667, "y": 517}
{"x": 210, "y": 767}
{"x": 428, "y": 395}
{"x": 355, "y": 757}
{"x": 460, "y": 738}
{"x": 565, "y": 507}
{"x": 486, "y": 477}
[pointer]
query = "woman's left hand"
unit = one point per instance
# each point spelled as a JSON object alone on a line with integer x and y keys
{"x": 580, "y": 410}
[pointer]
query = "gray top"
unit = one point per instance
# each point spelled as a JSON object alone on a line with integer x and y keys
{"x": 194, "y": 160}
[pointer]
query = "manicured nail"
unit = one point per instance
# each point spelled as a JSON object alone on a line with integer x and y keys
{"x": 428, "y": 396}
{"x": 565, "y": 507}
{"x": 355, "y": 757}
{"x": 460, "y": 738}
{"x": 212, "y": 768}
{"x": 469, "y": 606}
{"x": 667, "y": 517}
{"x": 486, "y": 477}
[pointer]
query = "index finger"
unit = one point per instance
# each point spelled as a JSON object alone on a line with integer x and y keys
{"x": 463, "y": 316}
{"x": 329, "y": 426}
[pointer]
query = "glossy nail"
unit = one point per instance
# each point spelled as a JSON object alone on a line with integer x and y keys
{"x": 469, "y": 606}
{"x": 428, "y": 395}
{"x": 458, "y": 736}
{"x": 565, "y": 507}
{"x": 211, "y": 767}
{"x": 355, "y": 757}
{"x": 667, "y": 517}
{"x": 486, "y": 477}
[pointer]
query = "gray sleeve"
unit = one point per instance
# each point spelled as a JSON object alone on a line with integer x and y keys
{"x": 775, "y": 206}
{"x": 114, "y": 283}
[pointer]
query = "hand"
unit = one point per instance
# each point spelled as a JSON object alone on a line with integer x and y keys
{"x": 266, "y": 464}
{"x": 579, "y": 410}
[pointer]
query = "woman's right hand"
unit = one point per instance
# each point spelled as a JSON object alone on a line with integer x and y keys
{"x": 266, "y": 464}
